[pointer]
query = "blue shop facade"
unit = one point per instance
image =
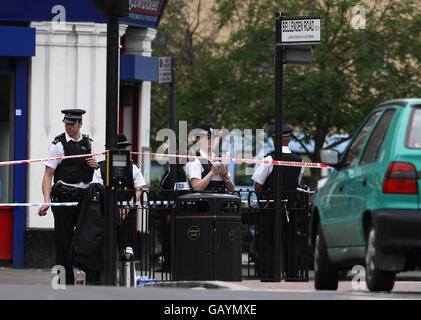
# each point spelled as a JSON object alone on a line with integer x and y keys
{"x": 52, "y": 57}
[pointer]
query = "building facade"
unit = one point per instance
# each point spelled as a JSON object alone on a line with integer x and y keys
{"x": 53, "y": 57}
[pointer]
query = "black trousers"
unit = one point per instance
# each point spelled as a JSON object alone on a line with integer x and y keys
{"x": 65, "y": 219}
{"x": 126, "y": 232}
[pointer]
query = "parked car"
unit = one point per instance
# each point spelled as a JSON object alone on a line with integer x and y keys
{"x": 369, "y": 210}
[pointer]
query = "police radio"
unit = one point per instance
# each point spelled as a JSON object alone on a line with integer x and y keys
{"x": 118, "y": 169}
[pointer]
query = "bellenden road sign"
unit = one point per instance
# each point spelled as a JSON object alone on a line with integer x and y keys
{"x": 164, "y": 70}
{"x": 300, "y": 30}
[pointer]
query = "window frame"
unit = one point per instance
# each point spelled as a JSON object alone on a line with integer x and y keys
{"x": 358, "y": 157}
{"x": 411, "y": 119}
{"x": 372, "y": 133}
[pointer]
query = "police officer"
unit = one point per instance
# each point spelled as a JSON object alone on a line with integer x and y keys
{"x": 291, "y": 176}
{"x": 127, "y": 229}
{"x": 205, "y": 175}
{"x": 71, "y": 178}
{"x": 264, "y": 182}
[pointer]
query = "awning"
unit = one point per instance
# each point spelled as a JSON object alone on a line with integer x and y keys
{"x": 138, "y": 68}
{"x": 17, "y": 42}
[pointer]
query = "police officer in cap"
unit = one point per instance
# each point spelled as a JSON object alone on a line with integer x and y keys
{"x": 265, "y": 184}
{"x": 71, "y": 179}
{"x": 207, "y": 175}
{"x": 127, "y": 225}
{"x": 291, "y": 176}
{"x": 137, "y": 178}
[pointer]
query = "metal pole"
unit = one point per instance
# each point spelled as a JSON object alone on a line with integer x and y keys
{"x": 173, "y": 172}
{"x": 173, "y": 123}
{"x": 277, "y": 219}
{"x": 111, "y": 143}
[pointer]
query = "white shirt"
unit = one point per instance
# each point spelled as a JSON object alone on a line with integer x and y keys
{"x": 57, "y": 150}
{"x": 194, "y": 169}
{"x": 265, "y": 169}
{"x": 138, "y": 180}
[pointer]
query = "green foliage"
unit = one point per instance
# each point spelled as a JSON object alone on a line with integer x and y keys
{"x": 155, "y": 185}
{"x": 231, "y": 83}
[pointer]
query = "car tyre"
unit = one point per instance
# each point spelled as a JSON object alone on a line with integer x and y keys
{"x": 376, "y": 279}
{"x": 325, "y": 272}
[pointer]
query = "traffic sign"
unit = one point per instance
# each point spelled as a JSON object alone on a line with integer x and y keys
{"x": 164, "y": 70}
{"x": 300, "y": 30}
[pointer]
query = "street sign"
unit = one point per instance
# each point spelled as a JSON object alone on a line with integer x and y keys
{"x": 164, "y": 70}
{"x": 300, "y": 30}
{"x": 297, "y": 55}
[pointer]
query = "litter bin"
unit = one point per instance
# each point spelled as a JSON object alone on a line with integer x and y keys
{"x": 208, "y": 237}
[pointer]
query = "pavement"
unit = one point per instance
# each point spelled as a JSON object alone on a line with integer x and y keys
{"x": 31, "y": 284}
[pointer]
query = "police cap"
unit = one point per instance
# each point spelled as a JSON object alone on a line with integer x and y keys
{"x": 72, "y": 115}
{"x": 122, "y": 141}
{"x": 286, "y": 130}
{"x": 206, "y": 129}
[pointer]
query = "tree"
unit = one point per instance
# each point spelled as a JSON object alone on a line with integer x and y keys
{"x": 188, "y": 34}
{"x": 352, "y": 71}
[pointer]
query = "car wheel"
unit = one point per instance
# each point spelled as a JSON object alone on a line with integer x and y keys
{"x": 377, "y": 280}
{"x": 325, "y": 273}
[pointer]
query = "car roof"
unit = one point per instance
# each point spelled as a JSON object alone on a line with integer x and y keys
{"x": 400, "y": 102}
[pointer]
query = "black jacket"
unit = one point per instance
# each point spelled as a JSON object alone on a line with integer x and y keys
{"x": 88, "y": 239}
{"x": 74, "y": 170}
{"x": 289, "y": 174}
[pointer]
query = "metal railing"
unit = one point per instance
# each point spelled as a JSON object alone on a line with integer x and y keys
{"x": 154, "y": 250}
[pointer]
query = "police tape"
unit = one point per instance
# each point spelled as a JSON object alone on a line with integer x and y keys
{"x": 74, "y": 204}
{"x": 6, "y": 163}
{"x": 189, "y": 157}
{"x": 40, "y": 204}
{"x": 239, "y": 160}
{"x": 130, "y": 204}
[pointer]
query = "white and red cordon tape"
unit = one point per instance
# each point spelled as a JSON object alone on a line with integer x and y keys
{"x": 225, "y": 159}
{"x": 238, "y": 160}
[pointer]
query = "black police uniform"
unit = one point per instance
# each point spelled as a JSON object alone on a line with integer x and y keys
{"x": 69, "y": 171}
{"x": 126, "y": 229}
{"x": 213, "y": 186}
{"x": 266, "y": 238}
{"x": 289, "y": 174}
{"x": 166, "y": 179}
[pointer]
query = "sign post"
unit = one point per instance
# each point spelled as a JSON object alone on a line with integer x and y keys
{"x": 300, "y": 30}
{"x": 164, "y": 70}
{"x": 166, "y": 74}
{"x": 114, "y": 10}
{"x": 294, "y": 38}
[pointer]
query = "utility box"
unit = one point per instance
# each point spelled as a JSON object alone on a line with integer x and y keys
{"x": 208, "y": 237}
{"x": 6, "y": 233}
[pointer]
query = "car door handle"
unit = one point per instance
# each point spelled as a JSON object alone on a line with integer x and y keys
{"x": 364, "y": 182}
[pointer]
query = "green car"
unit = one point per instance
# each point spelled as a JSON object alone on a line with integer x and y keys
{"x": 369, "y": 210}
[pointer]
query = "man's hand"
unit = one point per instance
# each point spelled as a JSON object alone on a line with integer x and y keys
{"x": 223, "y": 172}
{"x": 92, "y": 162}
{"x": 124, "y": 212}
{"x": 216, "y": 167}
{"x": 46, "y": 189}
{"x": 43, "y": 210}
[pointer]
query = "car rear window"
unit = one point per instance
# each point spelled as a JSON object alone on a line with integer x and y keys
{"x": 413, "y": 139}
{"x": 375, "y": 142}
{"x": 358, "y": 142}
